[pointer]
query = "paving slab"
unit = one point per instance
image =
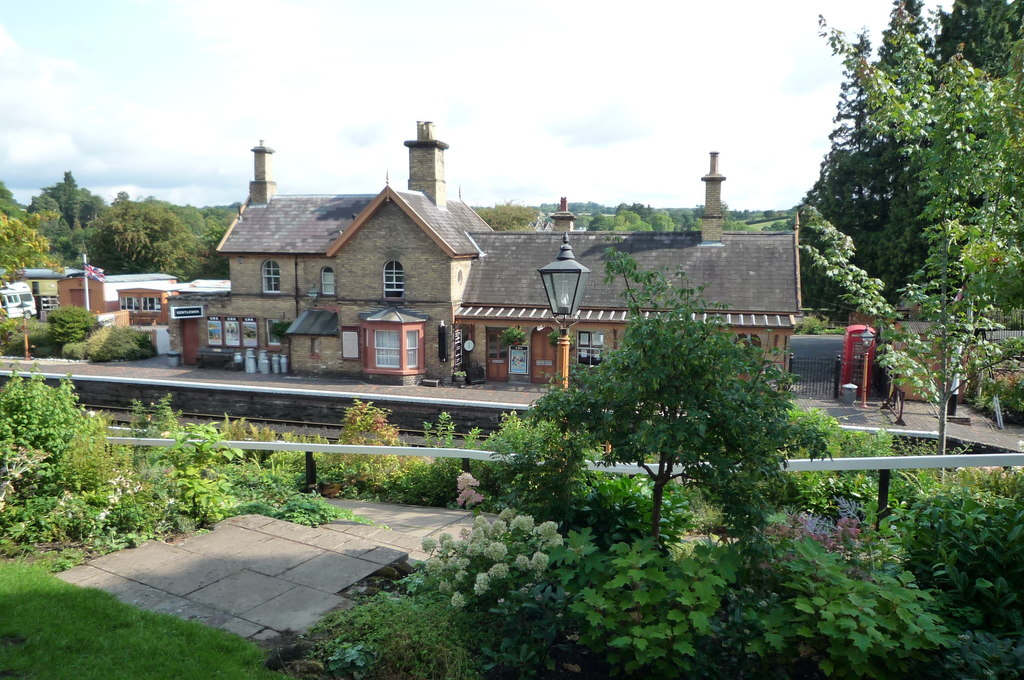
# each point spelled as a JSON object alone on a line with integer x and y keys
{"x": 296, "y": 609}
{"x": 187, "y": 574}
{"x": 241, "y": 591}
{"x": 225, "y": 541}
{"x": 276, "y": 556}
{"x": 331, "y": 573}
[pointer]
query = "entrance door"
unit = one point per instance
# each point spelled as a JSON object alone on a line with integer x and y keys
{"x": 497, "y": 356}
{"x": 543, "y": 368}
{"x": 189, "y": 340}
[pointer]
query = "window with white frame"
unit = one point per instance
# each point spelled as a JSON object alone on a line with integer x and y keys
{"x": 327, "y": 281}
{"x": 145, "y": 304}
{"x": 388, "y": 349}
{"x": 272, "y": 338}
{"x": 394, "y": 280}
{"x": 271, "y": 277}
{"x": 412, "y": 349}
{"x": 589, "y": 346}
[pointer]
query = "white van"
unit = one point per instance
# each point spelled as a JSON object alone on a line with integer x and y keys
{"x": 17, "y": 301}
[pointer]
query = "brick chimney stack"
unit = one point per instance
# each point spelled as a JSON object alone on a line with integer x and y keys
{"x": 563, "y": 219}
{"x": 262, "y": 188}
{"x": 711, "y": 224}
{"x": 426, "y": 164}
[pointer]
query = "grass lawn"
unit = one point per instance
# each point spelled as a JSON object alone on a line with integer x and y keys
{"x": 52, "y": 630}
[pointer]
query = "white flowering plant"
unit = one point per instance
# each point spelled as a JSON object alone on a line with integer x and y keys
{"x": 485, "y": 564}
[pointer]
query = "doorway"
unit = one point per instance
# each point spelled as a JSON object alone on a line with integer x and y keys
{"x": 497, "y": 356}
{"x": 189, "y": 341}
{"x": 543, "y": 368}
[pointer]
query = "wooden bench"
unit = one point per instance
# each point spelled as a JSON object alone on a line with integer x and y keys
{"x": 210, "y": 357}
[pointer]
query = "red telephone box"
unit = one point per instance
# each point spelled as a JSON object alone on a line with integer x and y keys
{"x": 858, "y": 356}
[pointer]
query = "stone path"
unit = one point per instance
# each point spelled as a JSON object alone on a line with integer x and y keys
{"x": 259, "y": 577}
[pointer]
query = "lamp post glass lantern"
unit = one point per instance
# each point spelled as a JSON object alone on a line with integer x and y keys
{"x": 565, "y": 281}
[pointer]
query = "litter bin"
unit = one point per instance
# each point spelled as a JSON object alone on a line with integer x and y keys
{"x": 174, "y": 359}
{"x": 848, "y": 394}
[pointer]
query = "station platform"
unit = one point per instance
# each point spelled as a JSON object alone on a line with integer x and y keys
{"x": 917, "y": 416}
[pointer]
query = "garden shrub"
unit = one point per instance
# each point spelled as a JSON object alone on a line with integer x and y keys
{"x": 541, "y": 471}
{"x": 69, "y": 324}
{"x": 114, "y": 343}
{"x": 38, "y": 340}
{"x": 644, "y": 610}
{"x": 389, "y": 637}
{"x": 982, "y": 656}
{"x": 851, "y": 627}
{"x": 74, "y": 350}
{"x": 35, "y": 416}
{"x": 503, "y": 568}
{"x": 970, "y": 546}
{"x": 617, "y": 509}
{"x": 493, "y": 560}
{"x": 205, "y": 492}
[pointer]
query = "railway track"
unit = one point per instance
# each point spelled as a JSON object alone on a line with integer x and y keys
{"x": 124, "y": 415}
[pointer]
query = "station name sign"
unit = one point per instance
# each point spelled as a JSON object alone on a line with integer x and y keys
{"x": 187, "y": 312}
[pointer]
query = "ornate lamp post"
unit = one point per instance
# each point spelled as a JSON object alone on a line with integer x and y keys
{"x": 867, "y": 337}
{"x": 565, "y": 281}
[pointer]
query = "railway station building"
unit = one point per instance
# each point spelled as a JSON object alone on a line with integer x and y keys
{"x": 403, "y": 286}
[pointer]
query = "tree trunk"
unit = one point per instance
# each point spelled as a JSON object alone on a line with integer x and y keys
{"x": 656, "y": 496}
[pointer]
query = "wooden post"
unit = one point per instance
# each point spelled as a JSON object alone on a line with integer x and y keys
{"x": 563, "y": 356}
{"x": 311, "y": 485}
{"x": 883, "y": 495}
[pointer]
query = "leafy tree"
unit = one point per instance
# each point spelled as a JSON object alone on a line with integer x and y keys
{"x": 601, "y": 222}
{"x": 981, "y": 31}
{"x": 143, "y": 236}
{"x": 508, "y": 216}
{"x": 963, "y": 130}
{"x": 9, "y": 206}
{"x": 21, "y": 246}
{"x": 681, "y": 399}
{"x": 660, "y": 221}
{"x": 78, "y": 207}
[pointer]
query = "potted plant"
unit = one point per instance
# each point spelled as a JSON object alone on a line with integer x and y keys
{"x": 513, "y": 335}
{"x": 459, "y": 378}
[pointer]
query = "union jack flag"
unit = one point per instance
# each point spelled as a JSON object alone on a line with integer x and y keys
{"x": 95, "y": 273}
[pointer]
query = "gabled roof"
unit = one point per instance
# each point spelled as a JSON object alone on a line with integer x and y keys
{"x": 294, "y": 225}
{"x": 318, "y": 225}
{"x": 749, "y": 272}
{"x": 446, "y": 226}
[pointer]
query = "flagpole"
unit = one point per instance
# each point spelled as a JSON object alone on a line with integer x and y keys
{"x": 85, "y": 281}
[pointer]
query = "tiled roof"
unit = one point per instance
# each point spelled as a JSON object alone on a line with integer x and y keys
{"x": 310, "y": 224}
{"x": 451, "y": 223}
{"x": 294, "y": 224}
{"x": 749, "y": 272}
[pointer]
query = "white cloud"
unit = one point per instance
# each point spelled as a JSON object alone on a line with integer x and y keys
{"x": 595, "y": 100}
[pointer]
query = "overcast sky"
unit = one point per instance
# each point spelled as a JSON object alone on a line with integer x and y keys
{"x": 600, "y": 101}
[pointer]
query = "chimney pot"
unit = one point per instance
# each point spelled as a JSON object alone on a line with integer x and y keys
{"x": 713, "y": 220}
{"x": 426, "y": 164}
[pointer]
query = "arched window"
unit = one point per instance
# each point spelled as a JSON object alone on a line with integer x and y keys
{"x": 327, "y": 281}
{"x": 271, "y": 277}
{"x": 394, "y": 280}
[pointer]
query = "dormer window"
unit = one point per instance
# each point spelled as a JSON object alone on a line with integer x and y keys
{"x": 271, "y": 277}
{"x": 394, "y": 280}
{"x": 327, "y": 281}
